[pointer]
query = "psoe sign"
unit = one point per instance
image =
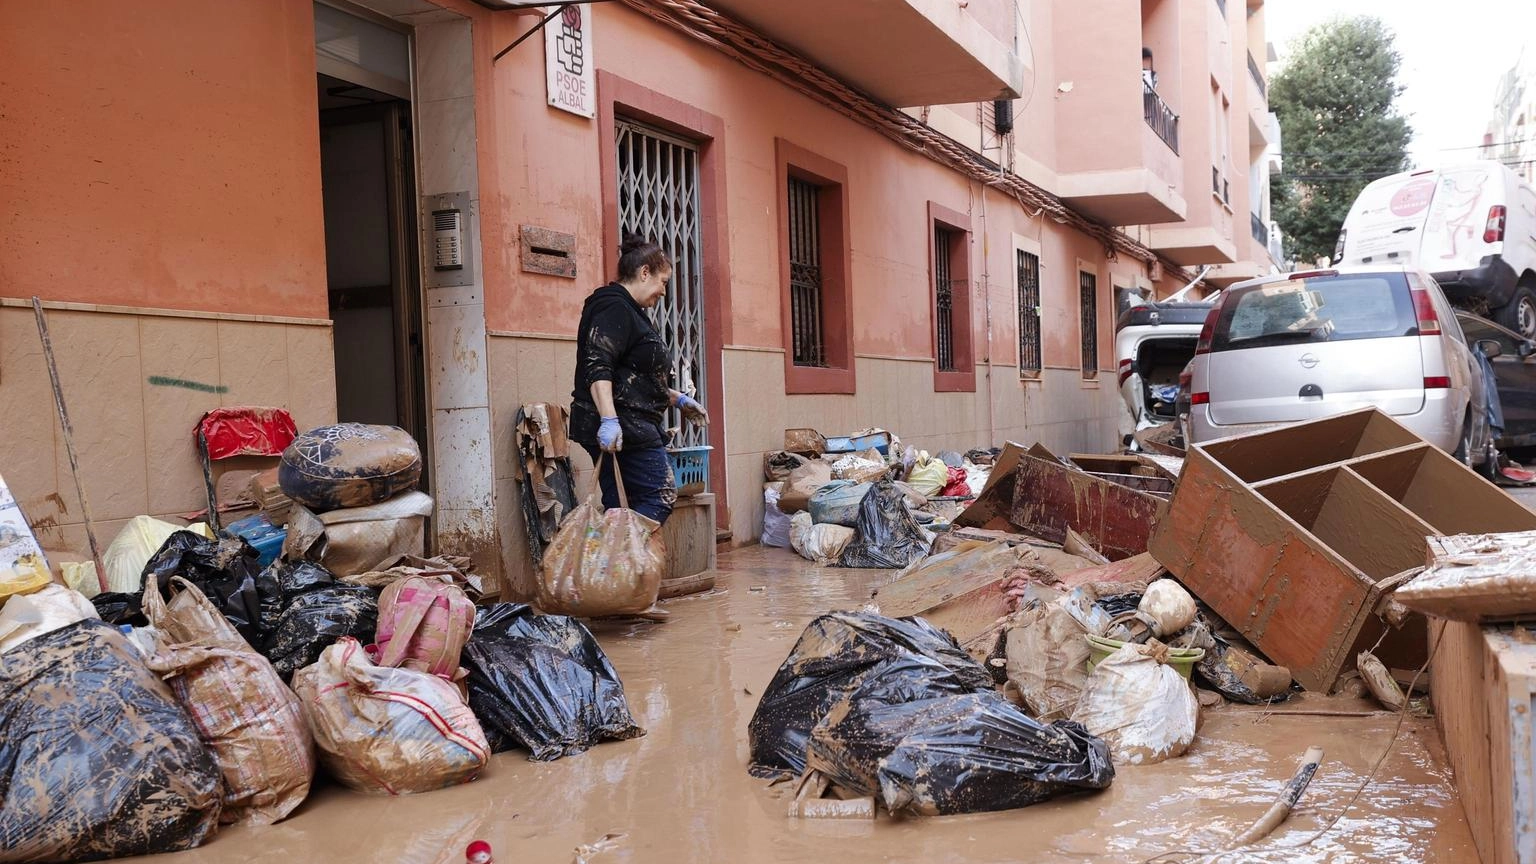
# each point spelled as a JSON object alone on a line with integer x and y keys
{"x": 569, "y": 71}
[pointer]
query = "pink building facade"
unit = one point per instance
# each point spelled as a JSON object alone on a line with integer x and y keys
{"x": 373, "y": 212}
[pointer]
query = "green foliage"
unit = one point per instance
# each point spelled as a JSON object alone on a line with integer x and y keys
{"x": 1339, "y": 130}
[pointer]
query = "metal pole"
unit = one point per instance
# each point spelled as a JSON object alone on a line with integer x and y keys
{"x": 69, "y": 441}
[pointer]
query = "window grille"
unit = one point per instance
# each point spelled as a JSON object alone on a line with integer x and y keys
{"x": 659, "y": 200}
{"x": 805, "y": 301}
{"x": 1088, "y": 287}
{"x": 944, "y": 298}
{"x": 1029, "y": 314}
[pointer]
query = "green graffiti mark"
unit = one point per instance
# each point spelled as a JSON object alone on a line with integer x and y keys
{"x": 161, "y": 381}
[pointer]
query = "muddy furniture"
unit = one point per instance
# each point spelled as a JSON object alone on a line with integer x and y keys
{"x": 689, "y": 536}
{"x": 1049, "y": 498}
{"x": 1294, "y": 535}
{"x": 1483, "y": 685}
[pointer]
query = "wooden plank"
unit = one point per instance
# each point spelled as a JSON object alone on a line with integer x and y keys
{"x": 1050, "y": 498}
{"x": 1137, "y": 568}
{"x": 938, "y": 579}
{"x": 1483, "y": 685}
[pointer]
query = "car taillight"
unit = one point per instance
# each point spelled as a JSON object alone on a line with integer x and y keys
{"x": 1125, "y": 370}
{"x": 1424, "y": 311}
{"x": 1199, "y": 398}
{"x": 1208, "y": 330}
{"x": 1493, "y": 232}
{"x": 1437, "y": 383}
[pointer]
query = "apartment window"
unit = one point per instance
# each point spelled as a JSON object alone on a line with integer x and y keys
{"x": 1029, "y": 314}
{"x": 813, "y": 232}
{"x": 1088, "y": 289}
{"x": 944, "y": 296}
{"x": 949, "y": 236}
{"x": 808, "y": 349}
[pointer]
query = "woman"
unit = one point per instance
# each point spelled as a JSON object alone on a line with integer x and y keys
{"x": 623, "y": 383}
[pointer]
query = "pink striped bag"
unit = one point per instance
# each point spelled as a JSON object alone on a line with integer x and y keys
{"x": 423, "y": 625}
{"x": 388, "y": 731}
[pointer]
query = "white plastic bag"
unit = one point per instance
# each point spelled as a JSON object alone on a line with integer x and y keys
{"x": 1167, "y": 607}
{"x": 821, "y": 544}
{"x": 1142, "y": 707}
{"x": 27, "y": 616}
{"x": 775, "y": 523}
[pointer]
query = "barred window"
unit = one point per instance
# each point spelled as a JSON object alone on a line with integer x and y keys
{"x": 944, "y": 297}
{"x": 1029, "y": 314}
{"x": 805, "y": 279}
{"x": 1088, "y": 286}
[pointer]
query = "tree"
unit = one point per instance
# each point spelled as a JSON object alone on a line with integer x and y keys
{"x": 1338, "y": 127}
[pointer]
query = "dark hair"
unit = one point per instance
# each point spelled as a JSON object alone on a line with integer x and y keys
{"x": 636, "y": 252}
{"x": 1146, "y": 53}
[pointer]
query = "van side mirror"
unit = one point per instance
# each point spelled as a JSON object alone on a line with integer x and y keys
{"x": 1491, "y": 348}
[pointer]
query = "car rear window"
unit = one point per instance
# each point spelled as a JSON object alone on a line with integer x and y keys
{"x": 1320, "y": 309}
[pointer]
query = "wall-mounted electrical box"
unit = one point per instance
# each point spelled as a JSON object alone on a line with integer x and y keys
{"x": 448, "y": 237}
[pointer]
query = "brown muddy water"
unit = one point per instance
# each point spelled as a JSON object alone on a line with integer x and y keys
{"x": 682, "y": 792}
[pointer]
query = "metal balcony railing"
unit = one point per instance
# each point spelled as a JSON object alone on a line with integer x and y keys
{"x": 1160, "y": 117}
{"x": 1260, "y": 230}
{"x": 1258, "y": 77}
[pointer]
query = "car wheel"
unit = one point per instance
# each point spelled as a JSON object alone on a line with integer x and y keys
{"x": 1520, "y": 314}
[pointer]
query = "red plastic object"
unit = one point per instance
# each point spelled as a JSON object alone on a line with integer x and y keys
{"x": 479, "y": 852}
{"x": 956, "y": 487}
{"x": 246, "y": 432}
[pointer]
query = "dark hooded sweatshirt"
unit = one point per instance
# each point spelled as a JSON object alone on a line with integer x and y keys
{"x": 616, "y": 342}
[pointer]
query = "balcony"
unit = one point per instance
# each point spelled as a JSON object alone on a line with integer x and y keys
{"x": 1164, "y": 123}
{"x": 1220, "y": 187}
{"x": 929, "y": 52}
{"x": 1258, "y": 78}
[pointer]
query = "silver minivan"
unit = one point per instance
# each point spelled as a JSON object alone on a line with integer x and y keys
{"x": 1299, "y": 346}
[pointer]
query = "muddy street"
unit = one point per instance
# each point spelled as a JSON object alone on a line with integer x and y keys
{"x": 682, "y": 792}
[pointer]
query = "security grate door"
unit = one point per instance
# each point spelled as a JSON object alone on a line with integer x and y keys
{"x": 659, "y": 200}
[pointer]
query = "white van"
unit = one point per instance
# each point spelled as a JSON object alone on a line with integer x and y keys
{"x": 1472, "y": 226}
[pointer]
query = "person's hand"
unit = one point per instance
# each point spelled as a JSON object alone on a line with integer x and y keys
{"x": 610, "y": 436}
{"x": 692, "y": 410}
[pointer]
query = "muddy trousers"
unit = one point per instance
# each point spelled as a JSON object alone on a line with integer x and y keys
{"x": 648, "y": 481}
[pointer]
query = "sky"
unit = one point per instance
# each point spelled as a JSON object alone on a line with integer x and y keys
{"x": 1454, "y": 53}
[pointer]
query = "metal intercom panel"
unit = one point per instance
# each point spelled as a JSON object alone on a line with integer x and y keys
{"x": 449, "y": 259}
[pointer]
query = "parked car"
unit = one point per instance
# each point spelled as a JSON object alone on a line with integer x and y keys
{"x": 1300, "y": 346}
{"x": 1472, "y": 226}
{"x": 1514, "y": 370}
{"x": 1153, "y": 343}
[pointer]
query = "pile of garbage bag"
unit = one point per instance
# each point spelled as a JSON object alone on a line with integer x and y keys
{"x": 896, "y": 709}
{"x": 139, "y": 720}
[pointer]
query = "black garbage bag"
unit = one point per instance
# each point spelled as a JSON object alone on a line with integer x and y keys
{"x": 224, "y": 570}
{"x": 910, "y": 657}
{"x": 886, "y": 535}
{"x": 117, "y": 608}
{"x": 970, "y": 753}
{"x": 1213, "y": 671}
{"x": 316, "y": 619}
{"x": 96, "y": 758}
{"x": 281, "y": 582}
{"x": 543, "y": 683}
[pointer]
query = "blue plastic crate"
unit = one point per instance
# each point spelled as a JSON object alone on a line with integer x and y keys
{"x": 690, "y": 468}
{"x": 257, "y": 531}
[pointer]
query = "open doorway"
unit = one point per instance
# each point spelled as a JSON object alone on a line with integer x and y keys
{"x": 371, "y": 248}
